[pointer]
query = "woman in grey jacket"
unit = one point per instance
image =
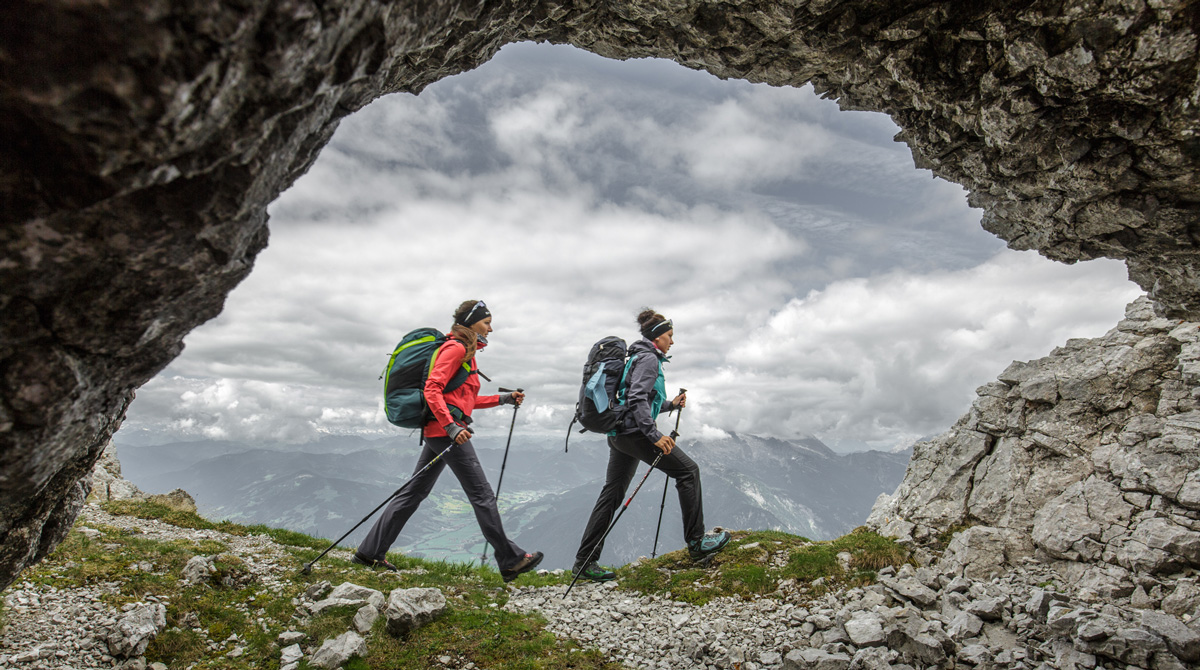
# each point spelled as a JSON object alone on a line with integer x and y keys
{"x": 644, "y": 391}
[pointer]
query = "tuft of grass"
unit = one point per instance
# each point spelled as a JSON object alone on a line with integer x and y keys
{"x": 943, "y": 539}
{"x": 760, "y": 563}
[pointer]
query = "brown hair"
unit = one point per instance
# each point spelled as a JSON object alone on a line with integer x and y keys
{"x": 461, "y": 332}
{"x": 647, "y": 319}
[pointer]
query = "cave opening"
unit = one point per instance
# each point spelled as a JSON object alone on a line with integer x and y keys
{"x": 822, "y": 284}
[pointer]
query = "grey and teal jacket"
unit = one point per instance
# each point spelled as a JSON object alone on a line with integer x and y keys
{"x": 644, "y": 390}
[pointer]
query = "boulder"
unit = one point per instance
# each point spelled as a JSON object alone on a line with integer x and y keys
{"x": 365, "y": 618}
{"x": 865, "y": 629}
{"x": 335, "y": 652}
{"x": 349, "y": 591}
{"x": 136, "y": 628}
{"x": 412, "y": 608}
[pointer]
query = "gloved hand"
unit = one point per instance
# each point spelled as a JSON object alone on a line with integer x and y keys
{"x": 457, "y": 433}
{"x": 514, "y": 398}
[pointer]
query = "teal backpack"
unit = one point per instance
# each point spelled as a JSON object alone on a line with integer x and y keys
{"x": 405, "y": 375}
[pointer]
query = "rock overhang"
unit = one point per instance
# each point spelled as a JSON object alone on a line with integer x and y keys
{"x": 142, "y": 143}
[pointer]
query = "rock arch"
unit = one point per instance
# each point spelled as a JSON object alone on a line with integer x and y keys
{"x": 141, "y": 142}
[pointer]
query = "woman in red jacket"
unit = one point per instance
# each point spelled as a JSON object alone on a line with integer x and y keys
{"x": 451, "y": 418}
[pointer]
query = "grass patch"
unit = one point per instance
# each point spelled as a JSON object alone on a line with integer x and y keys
{"x": 764, "y": 563}
{"x": 474, "y": 628}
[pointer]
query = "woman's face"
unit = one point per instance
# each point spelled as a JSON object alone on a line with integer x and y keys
{"x": 664, "y": 341}
{"x": 483, "y": 326}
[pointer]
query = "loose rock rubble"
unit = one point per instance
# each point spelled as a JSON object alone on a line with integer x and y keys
{"x": 914, "y": 618}
{"x": 48, "y": 628}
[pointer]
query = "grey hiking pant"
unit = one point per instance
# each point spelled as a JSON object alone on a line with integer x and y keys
{"x": 465, "y": 465}
{"x": 624, "y": 452}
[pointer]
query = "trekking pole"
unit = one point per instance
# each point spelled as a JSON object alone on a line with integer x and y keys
{"x": 307, "y": 569}
{"x": 614, "y": 522}
{"x": 666, "y": 483}
{"x": 503, "y": 464}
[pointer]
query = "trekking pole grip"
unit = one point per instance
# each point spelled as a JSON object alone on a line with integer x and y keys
{"x": 504, "y": 390}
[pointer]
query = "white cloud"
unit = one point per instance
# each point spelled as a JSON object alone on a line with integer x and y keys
{"x": 891, "y": 358}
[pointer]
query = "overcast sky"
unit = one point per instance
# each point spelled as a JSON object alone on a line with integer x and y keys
{"x": 819, "y": 283}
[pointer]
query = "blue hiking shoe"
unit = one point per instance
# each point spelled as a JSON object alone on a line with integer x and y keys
{"x": 704, "y": 548}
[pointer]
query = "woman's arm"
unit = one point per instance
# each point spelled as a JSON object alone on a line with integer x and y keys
{"x": 447, "y": 361}
{"x": 639, "y": 388}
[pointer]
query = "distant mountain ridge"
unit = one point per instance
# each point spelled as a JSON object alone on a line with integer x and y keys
{"x": 326, "y": 487}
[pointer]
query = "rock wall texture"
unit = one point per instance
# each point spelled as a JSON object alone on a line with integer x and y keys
{"x": 1088, "y": 459}
{"x": 141, "y": 141}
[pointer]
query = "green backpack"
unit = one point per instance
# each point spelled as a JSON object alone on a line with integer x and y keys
{"x": 405, "y": 375}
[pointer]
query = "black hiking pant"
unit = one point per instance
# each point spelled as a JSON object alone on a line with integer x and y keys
{"x": 624, "y": 452}
{"x": 465, "y": 465}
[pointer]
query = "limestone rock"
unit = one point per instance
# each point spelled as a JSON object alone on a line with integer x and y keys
{"x": 1182, "y": 641}
{"x": 335, "y": 652}
{"x": 412, "y": 608}
{"x": 349, "y": 591}
{"x": 107, "y": 481}
{"x": 1086, "y": 456}
{"x": 364, "y": 618}
{"x": 136, "y": 628}
{"x": 199, "y": 569}
{"x": 815, "y": 659}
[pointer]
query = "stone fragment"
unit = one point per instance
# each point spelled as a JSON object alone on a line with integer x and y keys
{"x": 288, "y": 638}
{"x": 1133, "y": 646}
{"x": 988, "y": 609}
{"x": 290, "y": 654}
{"x": 135, "y": 629}
{"x": 365, "y": 618}
{"x": 815, "y": 659}
{"x": 1182, "y": 641}
{"x": 335, "y": 652}
{"x": 349, "y": 591}
{"x": 964, "y": 626}
{"x": 411, "y": 608}
{"x": 317, "y": 590}
{"x": 873, "y": 658}
{"x": 910, "y": 589}
{"x": 1039, "y": 603}
{"x": 975, "y": 654}
{"x": 1141, "y": 600}
{"x": 199, "y": 569}
{"x": 865, "y": 630}
{"x": 1184, "y": 599}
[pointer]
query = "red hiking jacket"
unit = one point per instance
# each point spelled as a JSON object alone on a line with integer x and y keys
{"x": 447, "y": 361}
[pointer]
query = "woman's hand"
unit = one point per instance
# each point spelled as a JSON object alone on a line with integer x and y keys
{"x": 679, "y": 402}
{"x": 666, "y": 443}
{"x": 457, "y": 433}
{"x": 518, "y": 397}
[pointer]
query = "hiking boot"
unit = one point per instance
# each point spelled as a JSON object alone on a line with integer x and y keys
{"x": 359, "y": 559}
{"x": 527, "y": 563}
{"x": 705, "y": 547}
{"x": 594, "y": 572}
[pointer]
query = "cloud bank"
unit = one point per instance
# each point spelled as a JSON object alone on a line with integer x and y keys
{"x": 819, "y": 283}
